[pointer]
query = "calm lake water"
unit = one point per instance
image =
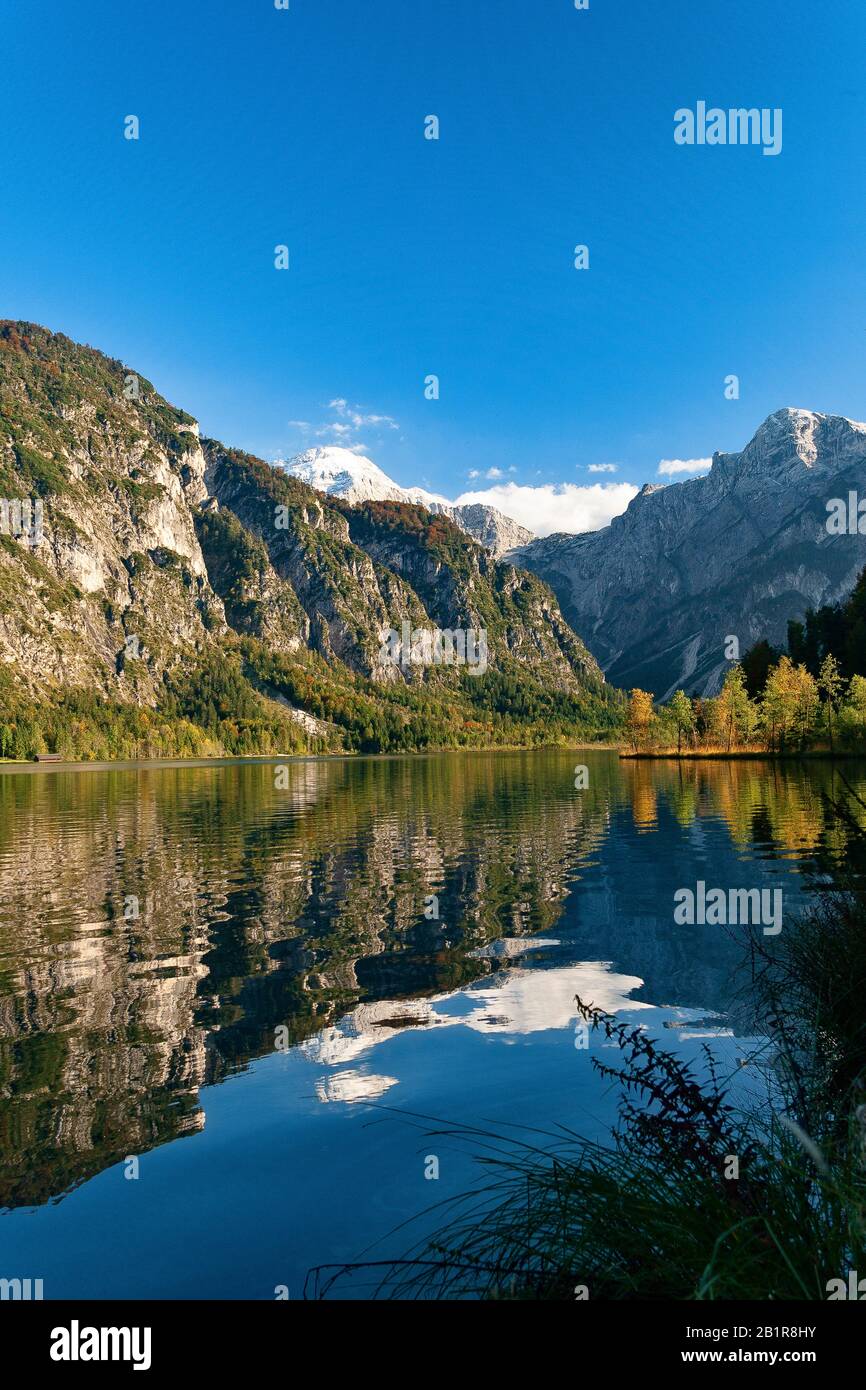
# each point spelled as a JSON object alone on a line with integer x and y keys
{"x": 243, "y": 986}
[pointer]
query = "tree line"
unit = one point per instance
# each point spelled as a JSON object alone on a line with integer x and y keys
{"x": 810, "y": 695}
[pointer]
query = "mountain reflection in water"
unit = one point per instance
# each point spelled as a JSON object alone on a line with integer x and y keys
{"x": 163, "y": 927}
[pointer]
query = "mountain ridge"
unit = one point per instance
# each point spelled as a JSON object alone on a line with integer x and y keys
{"x": 199, "y": 599}
{"x": 735, "y": 553}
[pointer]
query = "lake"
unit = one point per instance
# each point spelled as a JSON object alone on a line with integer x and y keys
{"x": 236, "y": 998}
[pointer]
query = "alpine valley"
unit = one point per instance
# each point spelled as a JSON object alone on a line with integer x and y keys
{"x": 182, "y": 598}
{"x": 657, "y": 594}
{"x": 163, "y": 594}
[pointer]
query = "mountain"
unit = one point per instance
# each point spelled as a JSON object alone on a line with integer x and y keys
{"x": 160, "y": 592}
{"x": 491, "y": 528}
{"x": 342, "y": 473}
{"x": 738, "y": 552}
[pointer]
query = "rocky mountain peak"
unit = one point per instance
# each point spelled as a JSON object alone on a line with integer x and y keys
{"x": 791, "y": 438}
{"x": 737, "y": 552}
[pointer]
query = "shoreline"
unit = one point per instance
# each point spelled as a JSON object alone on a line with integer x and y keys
{"x": 27, "y": 765}
{"x": 739, "y": 755}
{"x": 227, "y": 760}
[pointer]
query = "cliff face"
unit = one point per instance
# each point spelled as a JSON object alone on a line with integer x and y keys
{"x": 118, "y": 480}
{"x": 736, "y": 553}
{"x": 154, "y": 546}
{"x": 519, "y": 613}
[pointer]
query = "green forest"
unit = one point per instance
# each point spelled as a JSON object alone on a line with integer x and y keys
{"x": 234, "y": 703}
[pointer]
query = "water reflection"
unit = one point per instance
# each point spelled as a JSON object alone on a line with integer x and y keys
{"x": 159, "y": 925}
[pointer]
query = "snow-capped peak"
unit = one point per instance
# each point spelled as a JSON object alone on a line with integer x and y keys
{"x": 342, "y": 473}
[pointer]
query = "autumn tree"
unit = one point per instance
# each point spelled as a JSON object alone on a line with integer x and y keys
{"x": 779, "y": 703}
{"x": 790, "y": 702}
{"x": 852, "y": 715}
{"x": 640, "y": 715}
{"x": 808, "y": 702}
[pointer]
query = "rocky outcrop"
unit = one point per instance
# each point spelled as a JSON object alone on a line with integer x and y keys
{"x": 657, "y": 594}
{"x": 115, "y": 584}
{"x": 492, "y": 529}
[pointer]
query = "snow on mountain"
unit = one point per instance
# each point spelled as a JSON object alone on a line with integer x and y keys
{"x": 355, "y": 478}
{"x": 342, "y": 473}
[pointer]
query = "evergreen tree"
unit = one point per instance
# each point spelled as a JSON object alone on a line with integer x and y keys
{"x": 757, "y": 663}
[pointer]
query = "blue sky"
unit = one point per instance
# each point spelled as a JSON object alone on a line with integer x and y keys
{"x": 409, "y": 257}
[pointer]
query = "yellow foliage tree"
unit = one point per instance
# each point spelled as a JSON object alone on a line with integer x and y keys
{"x": 640, "y": 715}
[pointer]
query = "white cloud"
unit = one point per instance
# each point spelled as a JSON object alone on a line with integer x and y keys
{"x": 344, "y": 431}
{"x": 668, "y": 467}
{"x": 473, "y": 473}
{"x": 556, "y": 506}
{"x": 603, "y": 468}
{"x": 379, "y": 421}
{"x": 493, "y": 473}
{"x": 358, "y": 418}
{"x": 336, "y": 430}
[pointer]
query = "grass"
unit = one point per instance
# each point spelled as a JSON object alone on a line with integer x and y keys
{"x": 701, "y": 1194}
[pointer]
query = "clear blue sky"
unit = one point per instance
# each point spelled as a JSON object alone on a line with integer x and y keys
{"x": 411, "y": 257}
